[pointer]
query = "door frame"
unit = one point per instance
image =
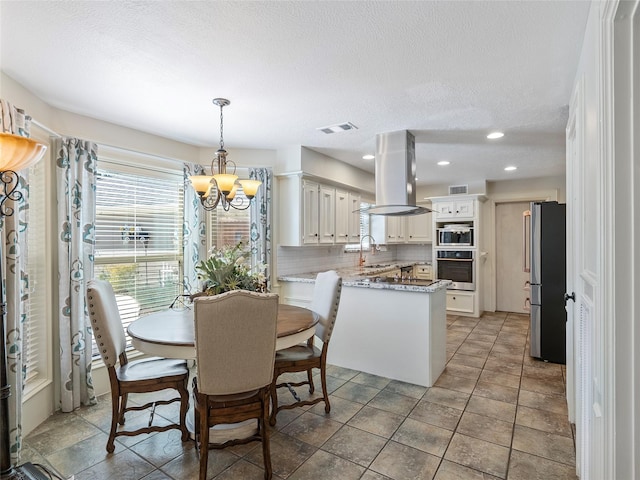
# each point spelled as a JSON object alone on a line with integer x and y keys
{"x": 490, "y": 294}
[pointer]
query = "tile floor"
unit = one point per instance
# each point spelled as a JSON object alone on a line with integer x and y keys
{"x": 494, "y": 413}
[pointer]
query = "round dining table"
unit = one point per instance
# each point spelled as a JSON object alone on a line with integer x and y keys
{"x": 170, "y": 333}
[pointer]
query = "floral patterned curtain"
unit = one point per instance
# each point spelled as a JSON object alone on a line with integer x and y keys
{"x": 13, "y": 229}
{"x": 76, "y": 184}
{"x": 261, "y": 221}
{"x": 194, "y": 230}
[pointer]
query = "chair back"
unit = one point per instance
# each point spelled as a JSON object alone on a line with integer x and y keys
{"x": 105, "y": 321}
{"x": 235, "y": 341}
{"x": 325, "y": 302}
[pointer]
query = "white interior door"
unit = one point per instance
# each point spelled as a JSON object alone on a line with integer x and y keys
{"x": 510, "y": 276}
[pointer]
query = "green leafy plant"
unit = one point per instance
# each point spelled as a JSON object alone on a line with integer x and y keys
{"x": 227, "y": 269}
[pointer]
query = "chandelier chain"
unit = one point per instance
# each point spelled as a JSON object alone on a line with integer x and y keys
{"x": 221, "y": 130}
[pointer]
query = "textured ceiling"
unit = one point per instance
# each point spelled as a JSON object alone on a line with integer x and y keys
{"x": 450, "y": 72}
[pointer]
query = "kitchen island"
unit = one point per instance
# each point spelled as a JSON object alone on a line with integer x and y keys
{"x": 385, "y": 326}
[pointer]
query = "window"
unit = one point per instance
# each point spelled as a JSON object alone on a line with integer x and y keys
{"x": 35, "y": 329}
{"x": 365, "y": 230}
{"x": 139, "y": 221}
{"x": 228, "y": 228}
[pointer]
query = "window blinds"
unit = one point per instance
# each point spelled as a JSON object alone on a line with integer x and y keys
{"x": 34, "y": 333}
{"x": 139, "y": 223}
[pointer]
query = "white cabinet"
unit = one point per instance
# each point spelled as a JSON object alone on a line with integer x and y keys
{"x": 460, "y": 301}
{"x": 454, "y": 209}
{"x": 327, "y": 214}
{"x": 388, "y": 228}
{"x": 354, "y": 217}
{"x": 423, "y": 272}
{"x": 396, "y": 229}
{"x": 342, "y": 216}
{"x": 310, "y": 212}
{"x": 419, "y": 228}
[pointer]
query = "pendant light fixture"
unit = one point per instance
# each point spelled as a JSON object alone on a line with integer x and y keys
{"x": 221, "y": 186}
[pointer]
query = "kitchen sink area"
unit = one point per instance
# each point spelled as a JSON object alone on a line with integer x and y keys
{"x": 398, "y": 280}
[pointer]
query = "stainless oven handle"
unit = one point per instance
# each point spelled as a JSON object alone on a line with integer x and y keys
{"x": 525, "y": 266}
{"x": 456, "y": 259}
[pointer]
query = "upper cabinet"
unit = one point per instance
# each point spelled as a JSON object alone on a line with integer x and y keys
{"x": 327, "y": 215}
{"x": 419, "y": 228}
{"x": 354, "y": 217}
{"x": 342, "y": 216}
{"x": 401, "y": 229}
{"x": 312, "y": 213}
{"x": 458, "y": 209}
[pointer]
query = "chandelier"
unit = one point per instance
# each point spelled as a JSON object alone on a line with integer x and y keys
{"x": 220, "y": 188}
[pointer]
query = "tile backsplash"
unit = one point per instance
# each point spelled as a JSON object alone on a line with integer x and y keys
{"x": 293, "y": 260}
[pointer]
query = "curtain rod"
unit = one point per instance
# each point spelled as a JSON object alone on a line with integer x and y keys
{"x": 105, "y": 145}
{"x": 46, "y": 129}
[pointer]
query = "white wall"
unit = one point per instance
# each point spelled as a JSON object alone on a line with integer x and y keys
{"x": 332, "y": 170}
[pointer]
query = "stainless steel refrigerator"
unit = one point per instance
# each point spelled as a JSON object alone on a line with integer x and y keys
{"x": 546, "y": 251}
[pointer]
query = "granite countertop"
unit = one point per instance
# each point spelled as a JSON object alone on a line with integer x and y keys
{"x": 373, "y": 277}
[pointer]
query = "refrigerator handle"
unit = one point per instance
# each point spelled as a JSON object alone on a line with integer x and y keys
{"x": 525, "y": 264}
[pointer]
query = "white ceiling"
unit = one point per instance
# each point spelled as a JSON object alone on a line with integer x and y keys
{"x": 448, "y": 71}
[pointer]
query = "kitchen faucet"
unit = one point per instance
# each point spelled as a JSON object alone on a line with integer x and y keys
{"x": 373, "y": 242}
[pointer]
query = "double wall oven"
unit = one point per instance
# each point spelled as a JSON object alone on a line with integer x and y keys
{"x": 457, "y": 266}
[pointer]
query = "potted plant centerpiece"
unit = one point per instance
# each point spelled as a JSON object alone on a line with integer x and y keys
{"x": 228, "y": 268}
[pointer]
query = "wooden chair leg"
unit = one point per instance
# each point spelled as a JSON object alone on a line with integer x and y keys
{"x": 115, "y": 414}
{"x": 323, "y": 379}
{"x": 264, "y": 433}
{"x": 184, "y": 407}
{"x": 123, "y": 407}
{"x": 196, "y": 428}
{"x": 204, "y": 443}
{"x": 274, "y": 401}
{"x": 312, "y": 387}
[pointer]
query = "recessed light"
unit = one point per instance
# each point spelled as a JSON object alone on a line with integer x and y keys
{"x": 494, "y": 135}
{"x": 510, "y": 168}
{"x": 444, "y": 162}
{"x": 368, "y": 157}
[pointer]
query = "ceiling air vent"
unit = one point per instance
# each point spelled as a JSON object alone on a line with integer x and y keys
{"x": 458, "y": 189}
{"x": 342, "y": 127}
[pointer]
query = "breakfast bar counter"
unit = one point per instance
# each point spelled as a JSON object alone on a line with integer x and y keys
{"x": 385, "y": 326}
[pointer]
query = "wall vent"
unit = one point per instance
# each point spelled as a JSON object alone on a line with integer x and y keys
{"x": 458, "y": 189}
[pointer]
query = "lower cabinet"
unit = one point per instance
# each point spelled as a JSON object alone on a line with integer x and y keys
{"x": 423, "y": 272}
{"x": 460, "y": 301}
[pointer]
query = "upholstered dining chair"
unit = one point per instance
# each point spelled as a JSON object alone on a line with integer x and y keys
{"x": 235, "y": 349}
{"x": 306, "y": 357}
{"x": 140, "y": 376}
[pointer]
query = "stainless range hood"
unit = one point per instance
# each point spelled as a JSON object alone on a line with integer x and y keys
{"x": 396, "y": 175}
